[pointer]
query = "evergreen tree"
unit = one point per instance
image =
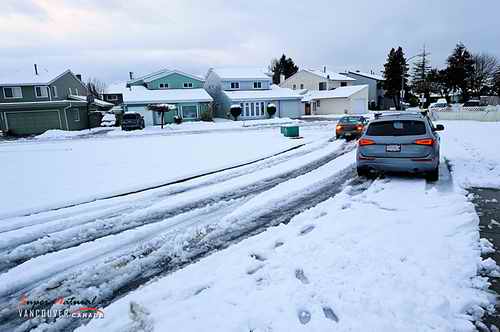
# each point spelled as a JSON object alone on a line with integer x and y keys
{"x": 395, "y": 74}
{"x": 283, "y": 66}
{"x": 439, "y": 83}
{"x": 460, "y": 70}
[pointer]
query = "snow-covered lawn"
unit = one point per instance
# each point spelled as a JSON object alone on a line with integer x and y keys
{"x": 473, "y": 151}
{"x": 43, "y": 174}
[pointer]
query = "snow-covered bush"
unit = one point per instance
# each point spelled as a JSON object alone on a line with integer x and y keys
{"x": 271, "y": 110}
{"x": 235, "y": 111}
{"x": 177, "y": 119}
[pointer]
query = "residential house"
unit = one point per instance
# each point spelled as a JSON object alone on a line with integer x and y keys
{"x": 253, "y": 90}
{"x": 310, "y": 79}
{"x": 376, "y": 95}
{"x": 342, "y": 100}
{"x": 166, "y": 86}
{"x": 34, "y": 101}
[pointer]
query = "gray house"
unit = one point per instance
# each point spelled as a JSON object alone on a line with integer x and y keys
{"x": 33, "y": 102}
{"x": 252, "y": 89}
{"x": 376, "y": 95}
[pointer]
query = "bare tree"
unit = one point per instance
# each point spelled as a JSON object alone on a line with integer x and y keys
{"x": 96, "y": 87}
{"x": 483, "y": 74}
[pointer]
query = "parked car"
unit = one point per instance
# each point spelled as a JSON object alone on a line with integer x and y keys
{"x": 350, "y": 126}
{"x": 400, "y": 142}
{"x": 472, "y": 103}
{"x": 132, "y": 121}
{"x": 440, "y": 104}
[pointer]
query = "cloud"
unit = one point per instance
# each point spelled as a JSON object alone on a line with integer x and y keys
{"x": 109, "y": 38}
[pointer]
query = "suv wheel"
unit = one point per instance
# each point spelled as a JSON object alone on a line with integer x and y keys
{"x": 433, "y": 175}
{"x": 362, "y": 172}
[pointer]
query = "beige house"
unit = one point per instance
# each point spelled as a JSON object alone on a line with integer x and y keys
{"x": 343, "y": 100}
{"x": 316, "y": 80}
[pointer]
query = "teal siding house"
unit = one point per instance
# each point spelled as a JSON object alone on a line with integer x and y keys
{"x": 166, "y": 86}
{"x": 32, "y": 102}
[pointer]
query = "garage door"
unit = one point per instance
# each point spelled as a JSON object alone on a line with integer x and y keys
{"x": 360, "y": 106}
{"x": 33, "y": 122}
{"x": 148, "y": 115}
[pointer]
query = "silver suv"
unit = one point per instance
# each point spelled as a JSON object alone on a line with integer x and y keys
{"x": 401, "y": 142}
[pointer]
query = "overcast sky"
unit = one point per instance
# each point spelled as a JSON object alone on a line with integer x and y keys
{"x": 108, "y": 38}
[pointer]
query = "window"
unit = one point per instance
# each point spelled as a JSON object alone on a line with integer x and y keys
{"x": 77, "y": 115}
{"x": 322, "y": 85}
{"x": 262, "y": 108}
{"x": 294, "y": 87}
{"x": 235, "y": 85}
{"x": 188, "y": 85}
{"x": 76, "y": 92}
{"x": 301, "y": 86}
{"x": 343, "y": 83}
{"x": 112, "y": 98}
{"x": 41, "y": 91}
{"x": 252, "y": 112}
{"x": 190, "y": 112}
{"x": 397, "y": 128}
{"x": 257, "y": 85}
{"x": 54, "y": 91}
{"x": 257, "y": 109}
{"x": 161, "y": 86}
{"x": 318, "y": 104}
{"x": 12, "y": 92}
{"x": 164, "y": 85}
{"x": 247, "y": 109}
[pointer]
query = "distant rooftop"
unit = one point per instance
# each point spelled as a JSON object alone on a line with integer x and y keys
{"x": 330, "y": 75}
{"x": 162, "y": 73}
{"x": 27, "y": 76}
{"x": 141, "y": 95}
{"x": 242, "y": 73}
{"x": 342, "y": 92}
{"x": 368, "y": 75}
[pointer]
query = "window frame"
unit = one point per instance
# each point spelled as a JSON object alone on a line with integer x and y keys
{"x": 197, "y": 112}
{"x": 257, "y": 85}
{"x": 41, "y": 87}
{"x": 12, "y": 92}
{"x": 301, "y": 86}
{"x": 53, "y": 91}
{"x": 187, "y": 85}
{"x": 235, "y": 85}
{"x": 77, "y": 115}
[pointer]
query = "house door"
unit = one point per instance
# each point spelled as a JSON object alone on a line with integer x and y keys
{"x": 253, "y": 109}
{"x": 308, "y": 109}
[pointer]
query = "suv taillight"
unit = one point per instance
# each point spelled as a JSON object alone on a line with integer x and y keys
{"x": 365, "y": 141}
{"x": 425, "y": 141}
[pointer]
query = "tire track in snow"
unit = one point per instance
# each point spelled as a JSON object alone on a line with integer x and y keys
{"x": 118, "y": 276}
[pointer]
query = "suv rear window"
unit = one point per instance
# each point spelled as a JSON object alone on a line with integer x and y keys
{"x": 396, "y": 128}
{"x": 351, "y": 119}
{"x": 130, "y": 116}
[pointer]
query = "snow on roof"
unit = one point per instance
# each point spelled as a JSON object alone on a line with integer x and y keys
{"x": 342, "y": 92}
{"x": 271, "y": 94}
{"x": 241, "y": 73}
{"x": 330, "y": 75}
{"x": 141, "y": 95}
{"x": 97, "y": 101}
{"x": 368, "y": 75}
{"x": 162, "y": 73}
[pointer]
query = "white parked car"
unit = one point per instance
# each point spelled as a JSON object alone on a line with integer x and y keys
{"x": 439, "y": 105}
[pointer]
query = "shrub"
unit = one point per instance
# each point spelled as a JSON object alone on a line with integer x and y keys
{"x": 206, "y": 115}
{"x": 235, "y": 112}
{"x": 271, "y": 110}
{"x": 177, "y": 119}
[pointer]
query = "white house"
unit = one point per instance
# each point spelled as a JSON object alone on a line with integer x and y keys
{"x": 253, "y": 90}
{"x": 376, "y": 95}
{"x": 309, "y": 79}
{"x": 343, "y": 100}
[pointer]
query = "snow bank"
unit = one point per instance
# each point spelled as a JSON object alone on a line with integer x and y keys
{"x": 472, "y": 150}
{"x": 64, "y": 134}
{"x": 398, "y": 256}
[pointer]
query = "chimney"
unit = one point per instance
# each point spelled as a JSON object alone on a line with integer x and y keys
{"x": 79, "y": 76}
{"x": 282, "y": 78}
{"x": 131, "y": 75}
{"x": 36, "y": 69}
{"x": 324, "y": 69}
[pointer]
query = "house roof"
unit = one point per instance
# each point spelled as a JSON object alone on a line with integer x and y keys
{"x": 28, "y": 77}
{"x": 342, "y": 92}
{"x": 330, "y": 75}
{"x": 98, "y": 102}
{"x": 241, "y": 73}
{"x": 368, "y": 75}
{"x": 162, "y": 73}
{"x": 272, "y": 94}
{"x": 141, "y": 95}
